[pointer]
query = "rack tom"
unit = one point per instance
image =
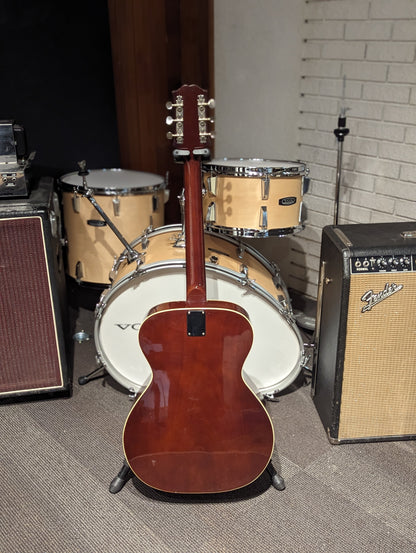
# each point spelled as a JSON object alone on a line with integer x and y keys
{"x": 253, "y": 197}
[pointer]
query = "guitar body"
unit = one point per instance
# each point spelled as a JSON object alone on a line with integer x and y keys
{"x": 197, "y": 428}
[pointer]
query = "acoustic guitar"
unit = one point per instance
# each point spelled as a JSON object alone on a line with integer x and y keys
{"x": 197, "y": 428}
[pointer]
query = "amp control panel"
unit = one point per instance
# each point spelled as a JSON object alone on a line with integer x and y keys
{"x": 383, "y": 263}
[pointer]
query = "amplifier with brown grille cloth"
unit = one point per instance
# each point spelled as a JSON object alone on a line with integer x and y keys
{"x": 364, "y": 376}
{"x": 33, "y": 352}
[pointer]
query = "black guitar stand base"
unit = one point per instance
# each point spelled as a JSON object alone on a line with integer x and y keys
{"x": 121, "y": 479}
{"x": 125, "y": 473}
{"x": 277, "y": 480}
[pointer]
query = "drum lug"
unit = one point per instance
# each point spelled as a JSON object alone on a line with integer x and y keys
{"x": 139, "y": 261}
{"x": 113, "y": 272}
{"x": 145, "y": 242}
{"x": 211, "y": 213}
{"x": 132, "y": 394}
{"x": 302, "y": 213}
{"x": 212, "y": 185}
{"x": 76, "y": 202}
{"x": 79, "y": 271}
{"x": 265, "y": 187}
{"x": 263, "y": 217}
{"x": 240, "y": 251}
{"x": 180, "y": 240}
{"x": 116, "y": 206}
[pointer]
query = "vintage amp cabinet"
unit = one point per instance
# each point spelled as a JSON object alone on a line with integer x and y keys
{"x": 364, "y": 377}
{"x": 34, "y": 354}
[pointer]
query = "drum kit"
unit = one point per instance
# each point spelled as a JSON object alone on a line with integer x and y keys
{"x": 116, "y": 240}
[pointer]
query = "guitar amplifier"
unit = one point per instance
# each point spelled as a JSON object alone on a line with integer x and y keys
{"x": 14, "y": 175}
{"x": 33, "y": 349}
{"x": 364, "y": 375}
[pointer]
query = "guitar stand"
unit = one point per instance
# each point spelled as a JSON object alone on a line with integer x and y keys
{"x": 122, "y": 478}
{"x": 125, "y": 473}
{"x": 277, "y": 480}
{"x": 92, "y": 375}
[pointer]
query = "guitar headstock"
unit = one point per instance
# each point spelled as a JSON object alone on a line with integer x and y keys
{"x": 190, "y": 120}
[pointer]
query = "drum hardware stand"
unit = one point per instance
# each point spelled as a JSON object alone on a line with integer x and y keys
{"x": 180, "y": 241}
{"x": 93, "y": 375}
{"x": 340, "y": 133}
{"x": 87, "y": 193}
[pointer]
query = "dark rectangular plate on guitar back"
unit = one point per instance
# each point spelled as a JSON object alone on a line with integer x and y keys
{"x": 196, "y": 323}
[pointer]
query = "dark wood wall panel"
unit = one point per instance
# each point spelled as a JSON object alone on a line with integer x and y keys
{"x": 155, "y": 50}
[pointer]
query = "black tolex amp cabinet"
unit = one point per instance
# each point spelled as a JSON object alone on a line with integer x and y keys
{"x": 33, "y": 350}
{"x": 364, "y": 378}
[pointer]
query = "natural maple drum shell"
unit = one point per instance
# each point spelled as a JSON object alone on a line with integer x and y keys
{"x": 97, "y": 247}
{"x": 162, "y": 249}
{"x": 238, "y": 202}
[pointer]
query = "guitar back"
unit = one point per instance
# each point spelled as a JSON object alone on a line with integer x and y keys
{"x": 197, "y": 428}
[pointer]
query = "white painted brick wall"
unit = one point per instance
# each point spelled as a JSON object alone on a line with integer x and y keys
{"x": 367, "y": 48}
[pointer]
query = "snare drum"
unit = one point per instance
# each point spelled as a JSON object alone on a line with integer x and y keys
{"x": 234, "y": 273}
{"x": 253, "y": 197}
{"x": 131, "y": 199}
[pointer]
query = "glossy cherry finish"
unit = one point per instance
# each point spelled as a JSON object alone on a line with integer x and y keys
{"x": 197, "y": 428}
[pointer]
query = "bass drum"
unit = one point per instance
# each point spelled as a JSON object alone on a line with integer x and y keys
{"x": 234, "y": 273}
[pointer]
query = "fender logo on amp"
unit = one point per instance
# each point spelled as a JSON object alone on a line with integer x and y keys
{"x": 373, "y": 299}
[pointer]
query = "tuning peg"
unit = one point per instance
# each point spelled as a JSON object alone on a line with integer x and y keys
{"x": 170, "y": 120}
{"x": 210, "y": 103}
{"x": 171, "y": 135}
{"x": 169, "y": 105}
{"x": 208, "y": 134}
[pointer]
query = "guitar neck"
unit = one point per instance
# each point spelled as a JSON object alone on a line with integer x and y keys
{"x": 194, "y": 235}
{"x": 191, "y": 139}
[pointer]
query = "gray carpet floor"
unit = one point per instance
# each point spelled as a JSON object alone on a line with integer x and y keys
{"x": 59, "y": 456}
